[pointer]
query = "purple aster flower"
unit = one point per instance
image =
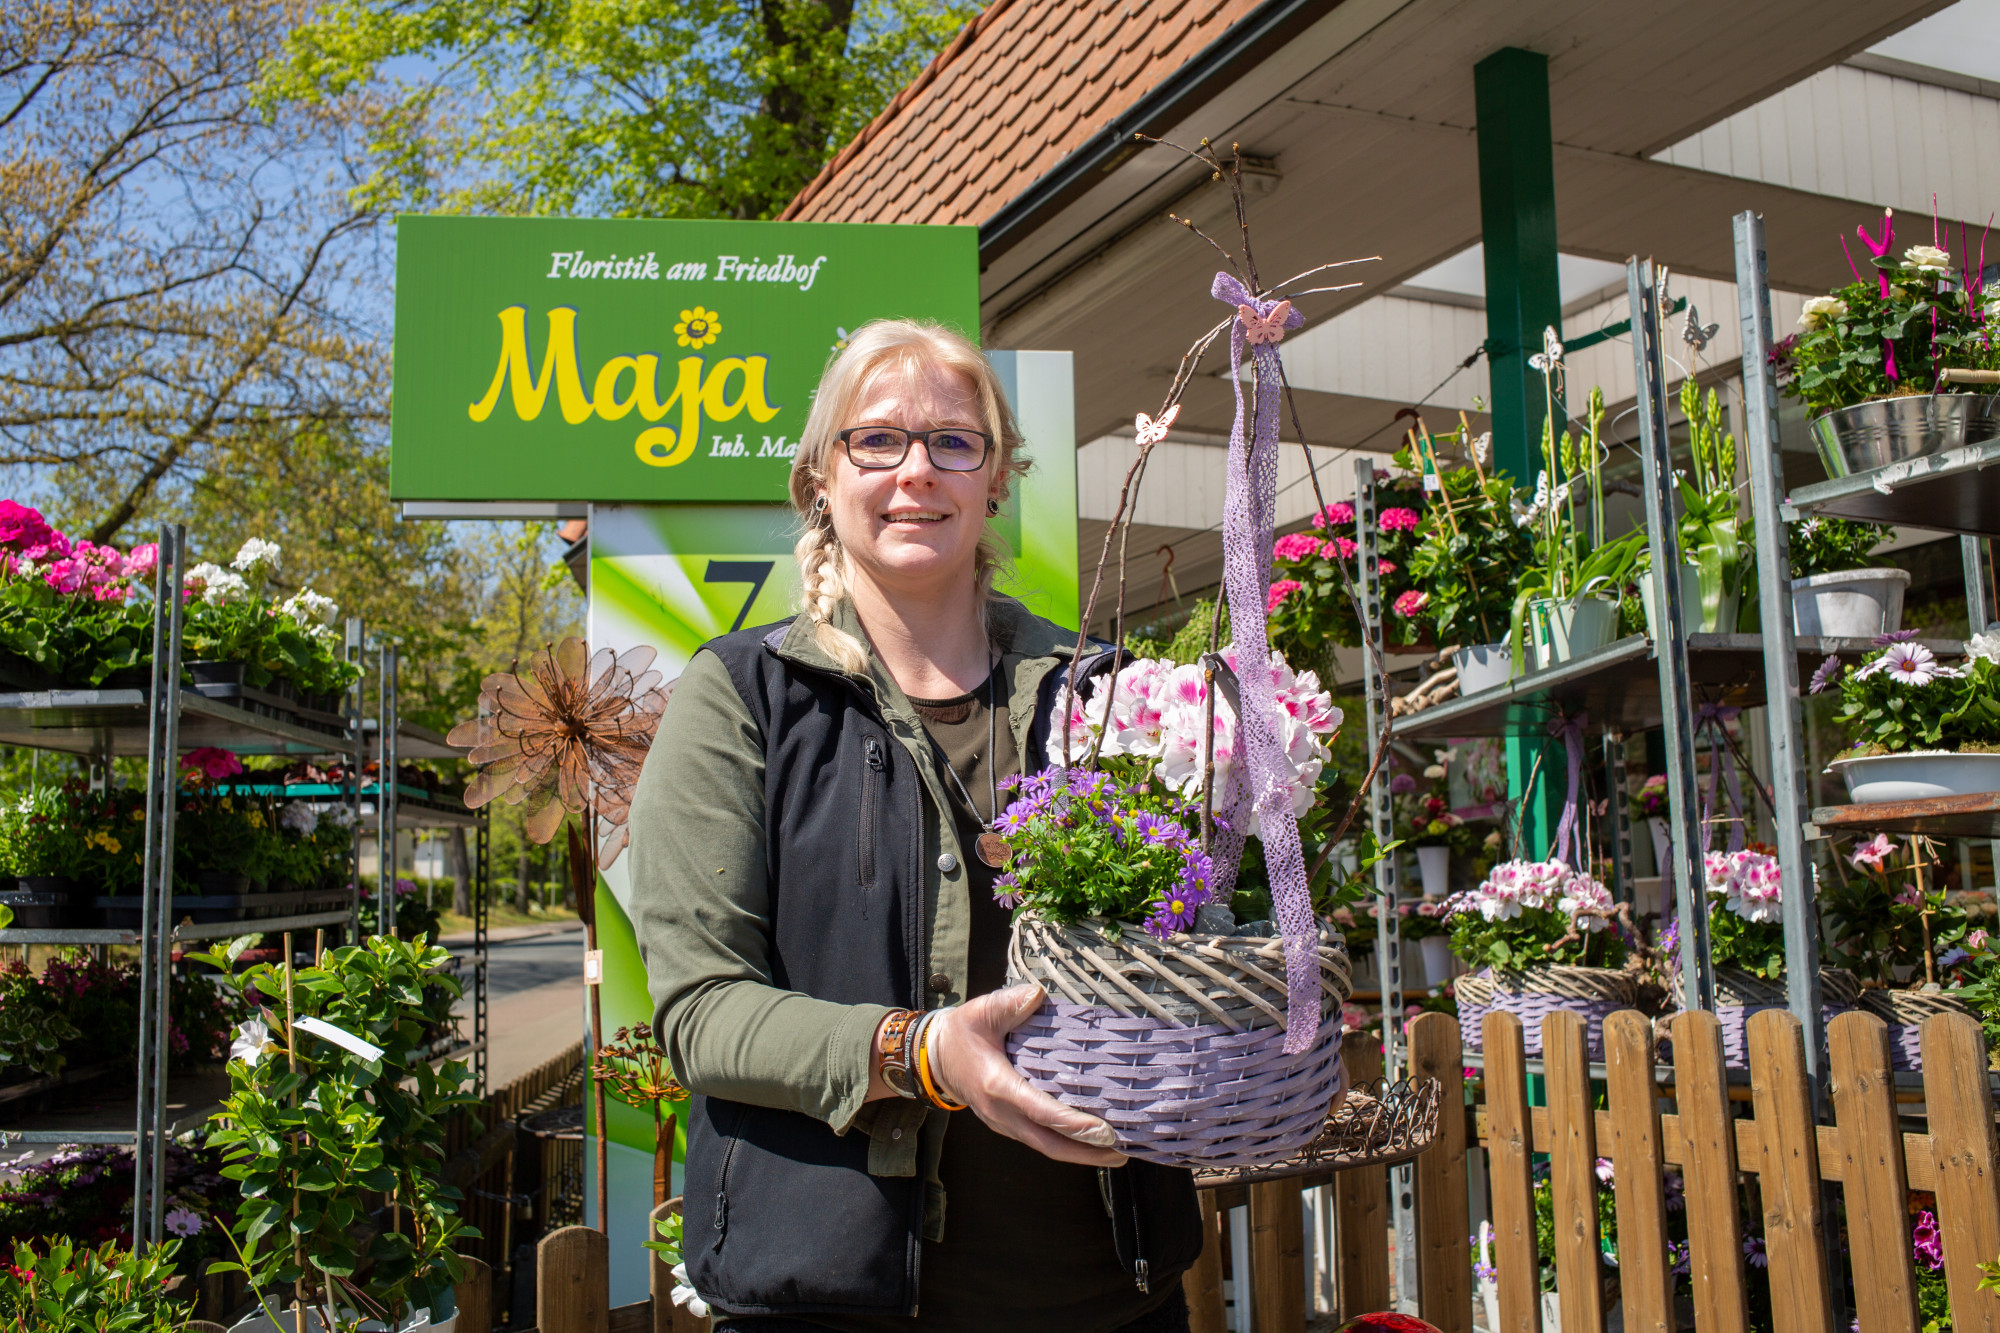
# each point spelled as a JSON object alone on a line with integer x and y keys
{"x": 1753, "y": 1252}
{"x": 1176, "y": 910}
{"x": 1678, "y": 1251}
{"x": 1897, "y": 636}
{"x": 1152, "y": 829}
{"x": 1007, "y": 890}
{"x": 1829, "y": 672}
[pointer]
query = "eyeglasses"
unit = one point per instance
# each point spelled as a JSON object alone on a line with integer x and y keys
{"x": 952, "y": 449}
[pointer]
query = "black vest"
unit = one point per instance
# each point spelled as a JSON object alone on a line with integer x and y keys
{"x": 781, "y": 1215}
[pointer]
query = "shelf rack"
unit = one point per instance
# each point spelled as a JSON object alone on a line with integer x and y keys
{"x": 160, "y": 720}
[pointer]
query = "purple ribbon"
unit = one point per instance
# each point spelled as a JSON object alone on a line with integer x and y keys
{"x": 1248, "y": 515}
{"x": 1711, "y": 718}
{"x": 1570, "y": 731}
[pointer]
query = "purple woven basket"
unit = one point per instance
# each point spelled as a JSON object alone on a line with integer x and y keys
{"x": 1905, "y": 1011}
{"x": 1474, "y": 994}
{"x": 1739, "y": 995}
{"x": 1178, "y": 1045}
{"x": 1532, "y": 995}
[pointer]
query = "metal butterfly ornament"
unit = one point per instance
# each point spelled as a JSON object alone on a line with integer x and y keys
{"x": 1696, "y": 334}
{"x": 1259, "y": 330}
{"x": 1150, "y": 431}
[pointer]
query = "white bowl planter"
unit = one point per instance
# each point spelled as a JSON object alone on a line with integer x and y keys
{"x": 1917, "y": 775}
{"x": 1484, "y": 666}
{"x": 1849, "y": 603}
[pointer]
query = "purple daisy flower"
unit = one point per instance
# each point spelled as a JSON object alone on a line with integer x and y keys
{"x": 1007, "y": 890}
{"x": 1829, "y": 672}
{"x": 1176, "y": 910}
{"x": 1895, "y": 636}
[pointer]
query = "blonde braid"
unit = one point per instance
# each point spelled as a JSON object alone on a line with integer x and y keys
{"x": 820, "y": 590}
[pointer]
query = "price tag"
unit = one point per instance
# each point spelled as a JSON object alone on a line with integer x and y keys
{"x": 1431, "y": 482}
{"x": 593, "y": 967}
{"x": 341, "y": 1037}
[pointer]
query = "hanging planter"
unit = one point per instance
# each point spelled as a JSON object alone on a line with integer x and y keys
{"x": 1474, "y": 993}
{"x": 1905, "y": 1011}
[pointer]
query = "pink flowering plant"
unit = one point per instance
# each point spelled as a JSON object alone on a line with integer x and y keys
{"x": 1313, "y": 573}
{"x": 1650, "y": 801}
{"x": 1902, "y": 698}
{"x": 1886, "y": 916}
{"x": 1533, "y": 913}
{"x": 1470, "y": 552}
{"x": 1746, "y": 926}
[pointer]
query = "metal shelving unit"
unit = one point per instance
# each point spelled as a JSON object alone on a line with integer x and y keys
{"x": 160, "y": 720}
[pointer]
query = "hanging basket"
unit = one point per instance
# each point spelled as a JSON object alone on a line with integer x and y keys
{"x": 1531, "y": 995}
{"x": 1178, "y": 1044}
{"x": 1474, "y": 994}
{"x": 1740, "y": 994}
{"x": 1905, "y": 1011}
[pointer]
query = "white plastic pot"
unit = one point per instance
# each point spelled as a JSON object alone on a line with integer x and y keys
{"x": 1692, "y": 619}
{"x": 1575, "y": 628}
{"x": 1437, "y": 959}
{"x": 1849, "y": 603}
{"x": 1917, "y": 775}
{"x": 1434, "y": 865}
{"x": 1484, "y": 666}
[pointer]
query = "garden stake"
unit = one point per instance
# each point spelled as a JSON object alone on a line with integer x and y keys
{"x": 582, "y": 870}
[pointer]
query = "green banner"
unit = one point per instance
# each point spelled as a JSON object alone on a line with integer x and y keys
{"x": 629, "y": 360}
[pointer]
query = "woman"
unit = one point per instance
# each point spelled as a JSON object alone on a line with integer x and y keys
{"x": 820, "y": 929}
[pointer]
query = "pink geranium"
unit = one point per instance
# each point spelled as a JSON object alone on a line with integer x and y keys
{"x": 1295, "y": 546}
{"x": 1340, "y": 514}
{"x": 24, "y": 532}
{"x": 212, "y": 763}
{"x": 1338, "y": 548}
{"x": 1399, "y": 520}
{"x": 143, "y": 560}
{"x": 1410, "y": 603}
{"x": 1280, "y": 590}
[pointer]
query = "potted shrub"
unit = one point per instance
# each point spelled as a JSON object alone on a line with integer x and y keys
{"x": 331, "y": 1107}
{"x": 1469, "y": 555}
{"x": 1547, "y": 931}
{"x": 1835, "y": 592}
{"x": 1311, "y": 608}
{"x": 68, "y": 1288}
{"x": 1866, "y": 359}
{"x": 1921, "y": 727}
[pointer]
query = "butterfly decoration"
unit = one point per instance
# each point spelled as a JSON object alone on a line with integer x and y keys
{"x": 1551, "y": 355}
{"x": 1260, "y": 330}
{"x": 1694, "y": 333}
{"x": 1150, "y": 431}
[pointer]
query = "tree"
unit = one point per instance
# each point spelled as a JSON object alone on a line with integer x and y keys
{"x": 172, "y": 253}
{"x": 634, "y": 108}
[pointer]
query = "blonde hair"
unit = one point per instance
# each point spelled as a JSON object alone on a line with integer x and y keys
{"x": 909, "y": 346}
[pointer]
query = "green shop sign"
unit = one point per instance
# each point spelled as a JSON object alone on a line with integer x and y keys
{"x": 622, "y": 361}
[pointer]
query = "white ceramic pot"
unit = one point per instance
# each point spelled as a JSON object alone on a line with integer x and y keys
{"x": 1438, "y": 967}
{"x": 1434, "y": 866}
{"x": 1579, "y": 627}
{"x": 1663, "y": 845}
{"x": 1917, "y": 775}
{"x": 1725, "y": 617}
{"x": 1850, "y": 603}
{"x": 1484, "y": 666}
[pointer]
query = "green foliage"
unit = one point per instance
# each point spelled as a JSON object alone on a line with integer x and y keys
{"x": 1185, "y": 645}
{"x": 310, "y": 1144}
{"x": 624, "y": 108}
{"x": 1713, "y": 537}
{"x": 1837, "y": 359}
{"x": 70, "y": 638}
{"x": 1887, "y": 713}
{"x": 34, "y": 1032}
{"x": 1877, "y": 919}
{"x": 1828, "y": 545}
{"x": 669, "y": 1243}
{"x": 1756, "y": 947}
{"x": 71, "y": 1289}
{"x": 1467, "y": 563}
{"x": 81, "y": 1011}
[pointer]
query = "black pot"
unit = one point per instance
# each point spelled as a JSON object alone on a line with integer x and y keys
{"x": 42, "y": 902}
{"x": 216, "y": 673}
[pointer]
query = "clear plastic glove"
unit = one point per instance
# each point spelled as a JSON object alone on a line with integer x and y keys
{"x": 968, "y": 1058}
{"x": 685, "y": 1296}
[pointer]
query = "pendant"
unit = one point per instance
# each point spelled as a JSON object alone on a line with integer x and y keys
{"x": 994, "y": 851}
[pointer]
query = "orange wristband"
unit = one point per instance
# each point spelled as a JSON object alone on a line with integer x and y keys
{"x": 924, "y": 1079}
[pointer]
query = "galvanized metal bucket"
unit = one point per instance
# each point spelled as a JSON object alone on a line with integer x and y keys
{"x": 1891, "y": 430}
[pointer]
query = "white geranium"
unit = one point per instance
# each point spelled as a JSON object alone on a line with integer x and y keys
{"x": 1927, "y": 258}
{"x": 1986, "y": 645}
{"x": 300, "y": 817}
{"x": 256, "y": 556}
{"x": 215, "y": 585}
{"x": 1819, "y": 309}
{"x": 310, "y": 608}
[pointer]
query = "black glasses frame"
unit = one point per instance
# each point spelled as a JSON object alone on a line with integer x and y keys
{"x": 911, "y": 437}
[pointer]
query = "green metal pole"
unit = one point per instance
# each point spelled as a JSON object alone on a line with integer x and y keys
{"x": 1517, "y": 212}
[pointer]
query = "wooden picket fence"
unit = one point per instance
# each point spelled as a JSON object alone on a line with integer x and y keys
{"x": 1720, "y": 1137}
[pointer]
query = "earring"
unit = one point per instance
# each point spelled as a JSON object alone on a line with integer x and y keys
{"x": 992, "y": 507}
{"x": 819, "y": 503}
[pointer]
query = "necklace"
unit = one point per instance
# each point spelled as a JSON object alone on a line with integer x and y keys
{"x": 991, "y": 847}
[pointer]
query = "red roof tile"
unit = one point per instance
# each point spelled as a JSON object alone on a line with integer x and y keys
{"x": 955, "y": 140}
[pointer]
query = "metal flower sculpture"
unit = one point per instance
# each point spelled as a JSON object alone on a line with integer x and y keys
{"x": 566, "y": 735}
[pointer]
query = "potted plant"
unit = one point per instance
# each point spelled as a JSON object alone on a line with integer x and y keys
{"x": 1835, "y": 592}
{"x": 1921, "y": 728}
{"x": 1311, "y": 608}
{"x": 67, "y": 1288}
{"x": 1891, "y": 924}
{"x": 1469, "y": 555}
{"x": 1868, "y": 360}
{"x": 331, "y": 1107}
{"x": 1649, "y": 806}
{"x": 1714, "y": 574}
{"x": 1746, "y": 937}
{"x": 1547, "y": 931}
{"x": 42, "y": 846}
{"x": 1106, "y": 868}
{"x": 1429, "y": 825}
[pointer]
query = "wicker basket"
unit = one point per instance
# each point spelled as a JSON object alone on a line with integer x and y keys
{"x": 1531, "y": 995}
{"x": 1739, "y": 995}
{"x": 1474, "y": 994}
{"x": 1179, "y": 1044}
{"x": 1905, "y": 1011}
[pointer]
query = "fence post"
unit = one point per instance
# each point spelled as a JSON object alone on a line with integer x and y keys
{"x": 1361, "y": 1200}
{"x": 1874, "y": 1178}
{"x": 1573, "y": 1172}
{"x": 1444, "y": 1256}
{"x": 1203, "y": 1283}
{"x": 1277, "y": 1256}
{"x": 1788, "y": 1185}
{"x": 475, "y": 1298}
{"x": 1961, "y": 1115}
{"x": 573, "y": 1282}
{"x": 1715, "y": 1229}
{"x": 1510, "y": 1152}
{"x": 1638, "y": 1173}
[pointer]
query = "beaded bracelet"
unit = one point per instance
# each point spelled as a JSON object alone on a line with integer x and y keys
{"x": 928, "y": 1084}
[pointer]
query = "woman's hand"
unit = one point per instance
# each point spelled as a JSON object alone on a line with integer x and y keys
{"x": 968, "y": 1058}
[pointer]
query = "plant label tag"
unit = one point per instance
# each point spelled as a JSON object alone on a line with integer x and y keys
{"x": 1431, "y": 482}
{"x": 593, "y": 967}
{"x": 339, "y": 1036}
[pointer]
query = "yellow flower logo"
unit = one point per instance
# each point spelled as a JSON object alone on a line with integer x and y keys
{"x": 698, "y": 327}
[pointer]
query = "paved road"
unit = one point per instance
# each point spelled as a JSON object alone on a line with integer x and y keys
{"x": 534, "y": 1002}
